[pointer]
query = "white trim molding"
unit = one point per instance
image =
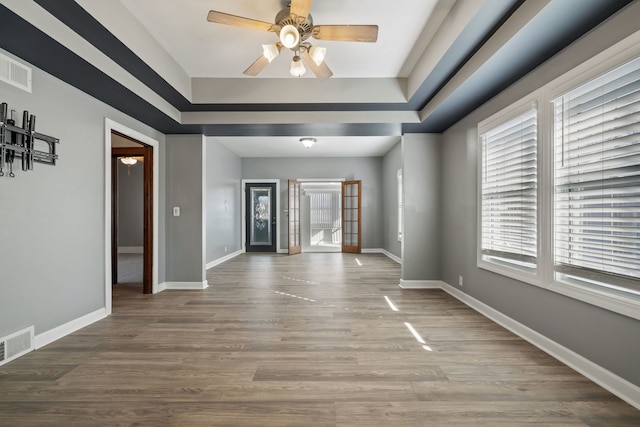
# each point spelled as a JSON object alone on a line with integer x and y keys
{"x": 622, "y": 388}
{"x": 70, "y": 327}
{"x": 223, "y": 259}
{"x": 109, "y": 126}
{"x": 185, "y": 285}
{"x": 384, "y": 252}
{"x": 421, "y": 284}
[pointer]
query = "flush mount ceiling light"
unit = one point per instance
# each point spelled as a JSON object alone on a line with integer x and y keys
{"x": 308, "y": 142}
{"x": 293, "y": 26}
{"x": 129, "y": 161}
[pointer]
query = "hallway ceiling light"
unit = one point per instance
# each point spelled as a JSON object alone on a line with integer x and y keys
{"x": 129, "y": 161}
{"x": 308, "y": 142}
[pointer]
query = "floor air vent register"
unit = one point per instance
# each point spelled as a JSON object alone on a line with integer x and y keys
{"x": 15, "y": 345}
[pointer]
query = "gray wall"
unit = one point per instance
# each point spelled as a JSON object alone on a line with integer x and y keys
{"x": 223, "y": 201}
{"x": 606, "y": 338}
{"x": 52, "y": 257}
{"x": 421, "y": 240}
{"x": 366, "y": 169}
{"x": 185, "y": 189}
{"x": 391, "y": 162}
{"x": 130, "y": 205}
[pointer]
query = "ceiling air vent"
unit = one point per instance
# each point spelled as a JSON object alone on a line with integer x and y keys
{"x": 14, "y": 73}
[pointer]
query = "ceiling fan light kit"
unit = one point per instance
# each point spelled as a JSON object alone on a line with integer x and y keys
{"x": 271, "y": 51}
{"x": 293, "y": 26}
{"x": 297, "y": 67}
{"x": 318, "y": 54}
{"x": 289, "y": 36}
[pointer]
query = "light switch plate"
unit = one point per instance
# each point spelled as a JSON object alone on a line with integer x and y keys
{"x": 176, "y": 211}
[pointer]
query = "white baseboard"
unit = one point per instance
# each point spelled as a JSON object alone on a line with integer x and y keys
{"x": 283, "y": 251}
{"x": 185, "y": 285}
{"x": 223, "y": 259}
{"x": 382, "y": 251}
{"x": 70, "y": 327}
{"x": 622, "y": 388}
{"x": 421, "y": 284}
{"x": 130, "y": 249}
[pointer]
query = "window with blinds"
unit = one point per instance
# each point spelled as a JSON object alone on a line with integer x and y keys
{"x": 597, "y": 180}
{"x": 509, "y": 191}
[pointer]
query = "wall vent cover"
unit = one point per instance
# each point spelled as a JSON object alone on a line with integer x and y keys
{"x": 15, "y": 73}
{"x": 15, "y": 345}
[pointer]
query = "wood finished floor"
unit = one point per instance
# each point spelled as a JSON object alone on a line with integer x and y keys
{"x": 308, "y": 340}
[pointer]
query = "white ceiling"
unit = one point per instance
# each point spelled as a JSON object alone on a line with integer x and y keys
{"x": 326, "y": 146}
{"x": 204, "y": 49}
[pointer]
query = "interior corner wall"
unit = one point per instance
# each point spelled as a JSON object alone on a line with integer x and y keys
{"x": 421, "y": 181}
{"x": 185, "y": 234}
{"x": 366, "y": 169}
{"x": 52, "y": 251}
{"x": 606, "y": 338}
{"x": 223, "y": 178}
{"x": 391, "y": 162}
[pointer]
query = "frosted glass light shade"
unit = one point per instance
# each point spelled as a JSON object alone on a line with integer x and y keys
{"x": 129, "y": 161}
{"x": 308, "y": 142}
{"x": 289, "y": 36}
{"x": 297, "y": 67}
{"x": 318, "y": 54}
{"x": 270, "y": 51}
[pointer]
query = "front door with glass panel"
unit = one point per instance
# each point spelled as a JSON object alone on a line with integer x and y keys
{"x": 260, "y": 217}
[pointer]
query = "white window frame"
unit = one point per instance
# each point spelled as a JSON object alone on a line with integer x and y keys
{"x": 512, "y": 270}
{"x": 623, "y": 303}
{"x": 400, "y": 189}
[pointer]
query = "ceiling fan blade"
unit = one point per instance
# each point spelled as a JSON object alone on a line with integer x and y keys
{"x": 238, "y": 21}
{"x": 321, "y": 71}
{"x": 349, "y": 33}
{"x": 301, "y": 7}
{"x": 257, "y": 66}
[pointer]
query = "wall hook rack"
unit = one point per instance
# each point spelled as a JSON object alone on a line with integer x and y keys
{"x": 23, "y": 142}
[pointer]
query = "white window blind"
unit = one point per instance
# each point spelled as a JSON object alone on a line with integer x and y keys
{"x": 597, "y": 180}
{"x": 509, "y": 190}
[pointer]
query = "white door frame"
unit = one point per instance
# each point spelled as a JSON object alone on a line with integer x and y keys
{"x": 109, "y": 126}
{"x": 244, "y": 207}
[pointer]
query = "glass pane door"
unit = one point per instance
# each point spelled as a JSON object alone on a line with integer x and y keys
{"x": 351, "y": 203}
{"x": 261, "y": 217}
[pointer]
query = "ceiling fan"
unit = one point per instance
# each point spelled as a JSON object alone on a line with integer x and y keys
{"x": 294, "y": 26}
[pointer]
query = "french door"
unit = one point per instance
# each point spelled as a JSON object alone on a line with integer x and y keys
{"x": 295, "y": 246}
{"x": 260, "y": 217}
{"x": 351, "y": 216}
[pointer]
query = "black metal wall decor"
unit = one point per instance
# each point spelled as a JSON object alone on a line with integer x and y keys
{"x": 23, "y": 142}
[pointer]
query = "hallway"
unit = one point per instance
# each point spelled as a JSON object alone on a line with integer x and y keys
{"x": 310, "y": 339}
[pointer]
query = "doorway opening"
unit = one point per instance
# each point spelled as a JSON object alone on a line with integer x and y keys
{"x": 132, "y": 212}
{"x": 324, "y": 216}
{"x": 321, "y": 216}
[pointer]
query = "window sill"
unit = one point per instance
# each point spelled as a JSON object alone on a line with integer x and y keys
{"x": 521, "y": 274}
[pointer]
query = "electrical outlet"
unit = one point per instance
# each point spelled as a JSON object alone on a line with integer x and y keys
{"x": 460, "y": 281}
